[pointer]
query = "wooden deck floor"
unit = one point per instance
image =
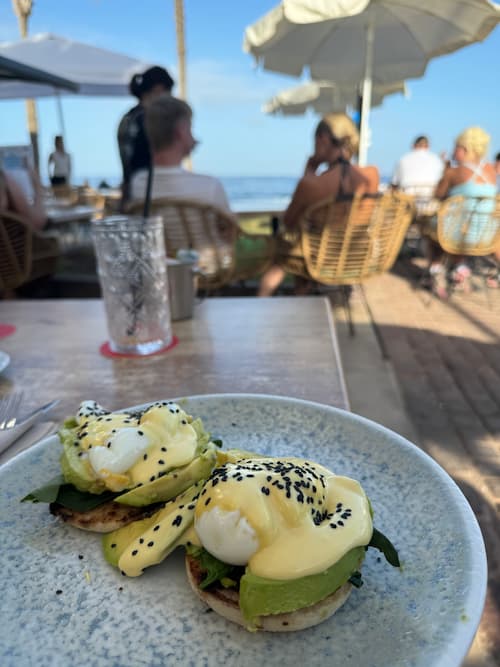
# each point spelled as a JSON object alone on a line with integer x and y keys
{"x": 446, "y": 358}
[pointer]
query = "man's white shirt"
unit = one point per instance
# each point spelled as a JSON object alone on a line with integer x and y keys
{"x": 420, "y": 168}
{"x": 177, "y": 182}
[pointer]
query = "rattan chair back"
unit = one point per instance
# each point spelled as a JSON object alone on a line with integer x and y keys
{"x": 16, "y": 242}
{"x": 214, "y": 235}
{"x": 469, "y": 225}
{"x": 345, "y": 242}
{"x": 25, "y": 255}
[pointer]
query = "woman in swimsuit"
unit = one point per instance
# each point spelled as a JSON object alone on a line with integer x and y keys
{"x": 471, "y": 177}
{"x": 336, "y": 141}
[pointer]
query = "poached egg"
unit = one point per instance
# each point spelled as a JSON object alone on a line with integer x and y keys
{"x": 284, "y": 518}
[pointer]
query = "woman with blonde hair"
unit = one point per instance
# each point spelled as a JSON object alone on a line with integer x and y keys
{"x": 336, "y": 142}
{"x": 471, "y": 177}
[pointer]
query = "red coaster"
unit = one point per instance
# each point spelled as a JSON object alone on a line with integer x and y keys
{"x": 6, "y": 330}
{"x": 106, "y": 351}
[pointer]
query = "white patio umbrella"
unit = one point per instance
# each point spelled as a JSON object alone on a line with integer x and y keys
{"x": 14, "y": 72}
{"x": 366, "y": 41}
{"x": 97, "y": 72}
{"x": 323, "y": 97}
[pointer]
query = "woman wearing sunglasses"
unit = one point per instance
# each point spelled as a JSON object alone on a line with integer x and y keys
{"x": 328, "y": 172}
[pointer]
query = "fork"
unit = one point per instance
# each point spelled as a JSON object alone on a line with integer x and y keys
{"x": 9, "y": 407}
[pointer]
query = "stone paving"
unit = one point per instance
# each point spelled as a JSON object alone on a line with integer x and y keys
{"x": 445, "y": 357}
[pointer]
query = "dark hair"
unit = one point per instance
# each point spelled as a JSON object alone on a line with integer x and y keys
{"x": 497, "y": 157}
{"x": 422, "y": 140}
{"x": 154, "y": 76}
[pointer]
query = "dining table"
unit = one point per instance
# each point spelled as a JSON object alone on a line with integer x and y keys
{"x": 284, "y": 346}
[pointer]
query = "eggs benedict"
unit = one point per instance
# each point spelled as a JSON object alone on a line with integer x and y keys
{"x": 122, "y": 466}
{"x": 278, "y": 542}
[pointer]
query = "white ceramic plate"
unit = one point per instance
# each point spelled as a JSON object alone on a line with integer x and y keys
{"x": 4, "y": 360}
{"x": 62, "y": 604}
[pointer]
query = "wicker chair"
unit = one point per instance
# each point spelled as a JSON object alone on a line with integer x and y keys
{"x": 24, "y": 254}
{"x": 469, "y": 225}
{"x": 227, "y": 254}
{"x": 347, "y": 242}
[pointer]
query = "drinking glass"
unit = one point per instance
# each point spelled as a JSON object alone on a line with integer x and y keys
{"x": 132, "y": 268}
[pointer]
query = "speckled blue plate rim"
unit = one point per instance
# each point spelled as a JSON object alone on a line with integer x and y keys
{"x": 460, "y": 642}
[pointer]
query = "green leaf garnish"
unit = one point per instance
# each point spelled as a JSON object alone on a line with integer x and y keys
{"x": 46, "y": 493}
{"x": 57, "y": 491}
{"x": 382, "y": 543}
{"x": 214, "y": 569}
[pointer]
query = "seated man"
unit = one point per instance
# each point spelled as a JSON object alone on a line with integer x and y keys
{"x": 417, "y": 173}
{"x": 168, "y": 126}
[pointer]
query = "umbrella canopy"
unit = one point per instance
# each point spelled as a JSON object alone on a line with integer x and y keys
{"x": 366, "y": 41}
{"x": 14, "y": 72}
{"x": 96, "y": 71}
{"x": 323, "y": 97}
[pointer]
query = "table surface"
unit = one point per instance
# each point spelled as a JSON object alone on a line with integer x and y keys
{"x": 285, "y": 346}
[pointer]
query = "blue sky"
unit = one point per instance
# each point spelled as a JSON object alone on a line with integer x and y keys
{"x": 227, "y": 91}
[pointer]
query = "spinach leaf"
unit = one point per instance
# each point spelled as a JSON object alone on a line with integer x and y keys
{"x": 57, "y": 491}
{"x": 214, "y": 569}
{"x": 382, "y": 543}
{"x": 46, "y": 493}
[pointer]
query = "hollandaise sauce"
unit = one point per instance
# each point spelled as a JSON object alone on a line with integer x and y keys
{"x": 285, "y": 518}
{"x": 128, "y": 450}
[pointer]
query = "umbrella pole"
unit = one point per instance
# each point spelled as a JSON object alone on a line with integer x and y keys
{"x": 366, "y": 95}
{"x": 62, "y": 127}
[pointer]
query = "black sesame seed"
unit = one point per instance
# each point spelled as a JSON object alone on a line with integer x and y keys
{"x": 59, "y": 591}
{"x": 141, "y": 540}
{"x": 113, "y": 546}
{"x": 152, "y": 478}
{"x": 80, "y": 556}
{"x": 156, "y": 528}
{"x": 207, "y": 501}
{"x": 177, "y": 521}
{"x": 150, "y": 544}
{"x": 145, "y": 457}
{"x": 140, "y": 432}
{"x": 163, "y": 449}
{"x": 161, "y": 462}
{"x": 134, "y": 552}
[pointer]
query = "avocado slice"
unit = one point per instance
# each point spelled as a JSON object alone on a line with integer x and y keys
{"x": 115, "y": 543}
{"x": 77, "y": 469}
{"x": 163, "y": 535}
{"x": 174, "y": 482}
{"x": 261, "y": 597}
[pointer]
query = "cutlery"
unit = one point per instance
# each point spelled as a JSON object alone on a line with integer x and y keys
{"x": 9, "y": 407}
{"x": 9, "y": 421}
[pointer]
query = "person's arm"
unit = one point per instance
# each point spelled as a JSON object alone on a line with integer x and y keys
{"x": 35, "y": 214}
{"x": 312, "y": 165}
{"x": 306, "y": 192}
{"x": 444, "y": 185}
